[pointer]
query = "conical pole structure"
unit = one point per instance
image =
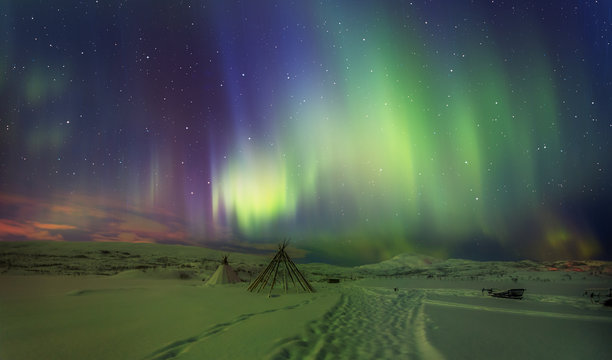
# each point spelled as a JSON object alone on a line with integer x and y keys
{"x": 289, "y": 270}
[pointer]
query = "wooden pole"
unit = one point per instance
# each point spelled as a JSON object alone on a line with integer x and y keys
{"x": 274, "y": 264}
{"x": 296, "y": 272}
{"x": 259, "y": 277}
{"x": 274, "y": 279}
{"x": 263, "y": 275}
{"x": 301, "y": 279}
{"x": 291, "y": 276}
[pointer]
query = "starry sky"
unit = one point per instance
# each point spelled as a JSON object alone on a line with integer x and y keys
{"x": 358, "y": 129}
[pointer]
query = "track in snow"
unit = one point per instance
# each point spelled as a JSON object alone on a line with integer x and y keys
{"x": 176, "y": 348}
{"x": 367, "y": 323}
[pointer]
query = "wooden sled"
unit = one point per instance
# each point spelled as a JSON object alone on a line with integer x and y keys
{"x": 507, "y": 294}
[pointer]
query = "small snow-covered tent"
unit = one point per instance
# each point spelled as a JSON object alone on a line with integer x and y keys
{"x": 224, "y": 274}
{"x": 288, "y": 270}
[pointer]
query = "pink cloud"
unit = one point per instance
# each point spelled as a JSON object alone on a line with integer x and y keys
{"x": 97, "y": 219}
{"x": 23, "y": 229}
{"x": 53, "y": 226}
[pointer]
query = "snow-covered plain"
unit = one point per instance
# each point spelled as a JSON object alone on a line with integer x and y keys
{"x": 141, "y": 301}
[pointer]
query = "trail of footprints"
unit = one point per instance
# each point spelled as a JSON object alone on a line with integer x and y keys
{"x": 375, "y": 324}
{"x": 175, "y": 349}
{"x": 367, "y": 323}
{"x": 364, "y": 324}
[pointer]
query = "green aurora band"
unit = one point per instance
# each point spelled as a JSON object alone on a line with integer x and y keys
{"x": 398, "y": 144}
{"x": 357, "y": 130}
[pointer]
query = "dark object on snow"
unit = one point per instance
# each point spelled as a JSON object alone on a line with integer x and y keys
{"x": 597, "y": 293}
{"x": 508, "y": 294}
{"x": 333, "y": 281}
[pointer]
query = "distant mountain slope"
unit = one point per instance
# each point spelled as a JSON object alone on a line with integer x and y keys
{"x": 400, "y": 261}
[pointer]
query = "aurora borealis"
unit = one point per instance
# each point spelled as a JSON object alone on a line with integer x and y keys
{"x": 475, "y": 129}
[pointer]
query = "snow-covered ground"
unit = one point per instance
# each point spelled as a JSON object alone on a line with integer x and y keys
{"x": 412, "y": 307}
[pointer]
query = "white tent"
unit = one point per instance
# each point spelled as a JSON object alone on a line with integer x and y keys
{"x": 224, "y": 275}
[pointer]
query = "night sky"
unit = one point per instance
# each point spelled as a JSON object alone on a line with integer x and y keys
{"x": 359, "y": 130}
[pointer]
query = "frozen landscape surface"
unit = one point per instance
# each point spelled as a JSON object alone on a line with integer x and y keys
{"x": 140, "y": 301}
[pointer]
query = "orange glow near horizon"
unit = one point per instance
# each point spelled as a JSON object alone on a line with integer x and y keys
{"x": 82, "y": 218}
{"x": 53, "y": 226}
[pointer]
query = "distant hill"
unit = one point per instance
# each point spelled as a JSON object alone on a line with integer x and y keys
{"x": 400, "y": 261}
{"x": 190, "y": 262}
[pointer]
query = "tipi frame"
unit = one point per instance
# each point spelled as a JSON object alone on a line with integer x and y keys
{"x": 288, "y": 269}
